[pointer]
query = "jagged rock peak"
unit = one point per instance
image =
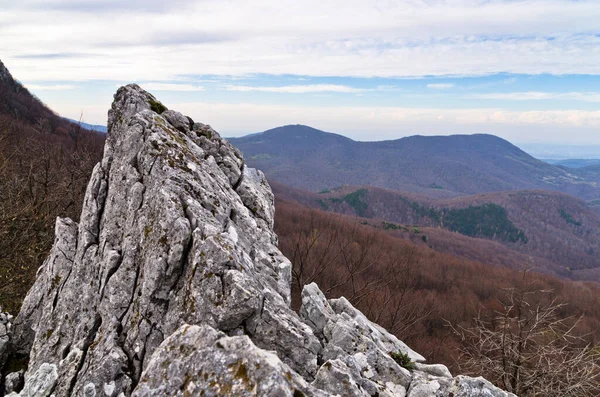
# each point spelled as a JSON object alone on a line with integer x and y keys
{"x": 172, "y": 284}
{"x": 174, "y": 230}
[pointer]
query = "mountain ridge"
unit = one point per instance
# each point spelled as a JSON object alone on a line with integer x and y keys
{"x": 437, "y": 166}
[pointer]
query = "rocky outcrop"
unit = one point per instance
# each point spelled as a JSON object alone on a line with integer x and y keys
{"x": 358, "y": 357}
{"x": 172, "y": 284}
{"x": 198, "y": 360}
{"x": 5, "y": 336}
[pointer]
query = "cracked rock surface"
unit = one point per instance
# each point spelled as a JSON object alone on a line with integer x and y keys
{"x": 172, "y": 284}
{"x": 210, "y": 363}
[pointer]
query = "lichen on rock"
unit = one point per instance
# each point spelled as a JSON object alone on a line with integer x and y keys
{"x": 200, "y": 360}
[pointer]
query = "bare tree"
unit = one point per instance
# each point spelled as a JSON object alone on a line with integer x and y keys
{"x": 43, "y": 174}
{"x": 394, "y": 302}
{"x": 528, "y": 348}
{"x": 352, "y": 260}
{"x": 313, "y": 250}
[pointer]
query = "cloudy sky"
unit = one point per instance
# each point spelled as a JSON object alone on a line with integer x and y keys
{"x": 527, "y": 70}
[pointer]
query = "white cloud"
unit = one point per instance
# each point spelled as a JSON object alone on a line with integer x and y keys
{"x": 50, "y": 87}
{"x": 363, "y": 38}
{"x": 440, "y": 86}
{"x": 70, "y": 41}
{"x": 377, "y": 123}
{"x": 536, "y": 96}
{"x": 297, "y": 89}
{"x": 170, "y": 87}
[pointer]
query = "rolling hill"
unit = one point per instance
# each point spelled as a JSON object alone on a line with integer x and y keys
{"x": 558, "y": 232}
{"x": 436, "y": 166}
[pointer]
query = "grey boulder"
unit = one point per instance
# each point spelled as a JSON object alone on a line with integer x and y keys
{"x": 13, "y": 382}
{"x": 199, "y": 360}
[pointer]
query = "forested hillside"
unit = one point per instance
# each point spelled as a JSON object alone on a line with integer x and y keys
{"x": 45, "y": 164}
{"x": 408, "y": 287}
{"x": 558, "y": 232}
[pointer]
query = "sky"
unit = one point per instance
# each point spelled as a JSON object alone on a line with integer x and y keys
{"x": 525, "y": 70}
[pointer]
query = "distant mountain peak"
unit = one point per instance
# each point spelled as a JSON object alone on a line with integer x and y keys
{"x": 296, "y": 128}
{"x": 437, "y": 166}
{"x": 299, "y": 131}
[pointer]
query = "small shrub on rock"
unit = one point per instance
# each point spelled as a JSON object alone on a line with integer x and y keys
{"x": 403, "y": 360}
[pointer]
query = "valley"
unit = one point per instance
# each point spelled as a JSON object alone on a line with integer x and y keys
{"x": 556, "y": 232}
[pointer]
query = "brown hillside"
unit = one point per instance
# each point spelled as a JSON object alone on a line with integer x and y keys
{"x": 45, "y": 164}
{"x": 560, "y": 233}
{"x": 407, "y": 286}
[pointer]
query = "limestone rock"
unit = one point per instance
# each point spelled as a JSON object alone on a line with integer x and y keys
{"x": 52, "y": 274}
{"x": 5, "y": 336}
{"x": 41, "y": 383}
{"x": 13, "y": 382}
{"x": 335, "y": 377}
{"x": 174, "y": 229}
{"x": 178, "y": 120}
{"x": 200, "y": 361}
{"x": 425, "y": 385}
{"x": 438, "y": 370}
{"x": 172, "y": 284}
{"x": 358, "y": 354}
{"x": 464, "y": 386}
{"x": 347, "y": 335}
